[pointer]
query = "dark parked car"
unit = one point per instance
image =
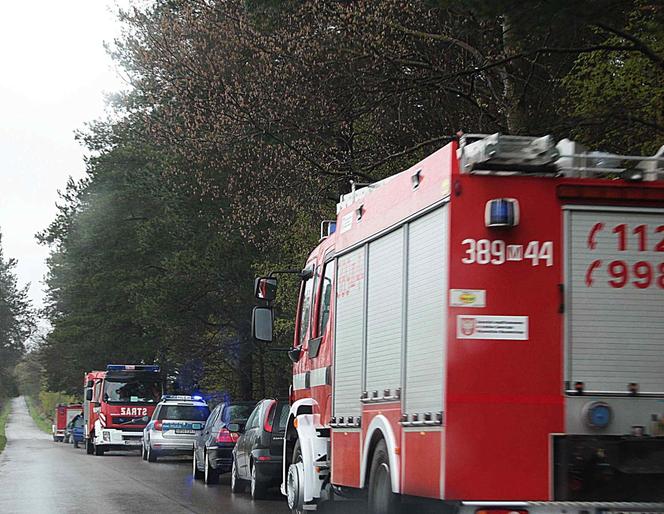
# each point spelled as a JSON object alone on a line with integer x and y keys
{"x": 213, "y": 446}
{"x": 258, "y": 452}
{"x": 74, "y": 431}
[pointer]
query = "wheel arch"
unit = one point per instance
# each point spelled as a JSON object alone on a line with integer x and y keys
{"x": 303, "y": 406}
{"x": 380, "y": 429}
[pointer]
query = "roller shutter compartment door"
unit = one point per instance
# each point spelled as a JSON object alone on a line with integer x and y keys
{"x": 426, "y": 319}
{"x": 615, "y": 299}
{"x": 349, "y": 333}
{"x": 384, "y": 313}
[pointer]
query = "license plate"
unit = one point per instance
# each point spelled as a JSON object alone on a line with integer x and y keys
{"x": 184, "y": 431}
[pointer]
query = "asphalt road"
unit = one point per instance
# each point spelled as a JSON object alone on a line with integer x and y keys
{"x": 40, "y": 476}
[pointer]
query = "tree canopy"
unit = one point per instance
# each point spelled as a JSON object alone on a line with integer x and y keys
{"x": 16, "y": 322}
{"x": 246, "y": 119}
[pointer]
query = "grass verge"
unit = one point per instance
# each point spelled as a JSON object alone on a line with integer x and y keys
{"x": 4, "y": 415}
{"x": 41, "y": 422}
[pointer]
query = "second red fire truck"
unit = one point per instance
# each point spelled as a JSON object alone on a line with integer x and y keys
{"x": 62, "y": 416}
{"x": 118, "y": 405}
{"x": 485, "y": 329}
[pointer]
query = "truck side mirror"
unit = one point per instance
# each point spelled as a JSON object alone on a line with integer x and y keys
{"x": 265, "y": 288}
{"x": 88, "y": 395}
{"x": 261, "y": 324}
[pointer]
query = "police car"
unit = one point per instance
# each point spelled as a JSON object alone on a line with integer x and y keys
{"x": 173, "y": 427}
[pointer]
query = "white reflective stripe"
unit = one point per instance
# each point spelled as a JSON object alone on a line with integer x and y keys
{"x": 299, "y": 381}
{"x": 318, "y": 377}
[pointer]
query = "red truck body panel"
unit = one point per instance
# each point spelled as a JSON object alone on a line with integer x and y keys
{"x": 504, "y": 397}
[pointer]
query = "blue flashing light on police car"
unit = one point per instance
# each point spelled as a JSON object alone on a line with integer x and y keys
{"x": 133, "y": 367}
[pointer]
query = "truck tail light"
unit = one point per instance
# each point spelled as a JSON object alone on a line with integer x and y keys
{"x": 226, "y": 436}
{"x": 158, "y": 425}
{"x": 267, "y": 425}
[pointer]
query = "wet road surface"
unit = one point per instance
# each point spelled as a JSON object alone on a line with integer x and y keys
{"x": 38, "y": 475}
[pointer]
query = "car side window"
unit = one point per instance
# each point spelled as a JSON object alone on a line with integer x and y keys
{"x": 254, "y": 418}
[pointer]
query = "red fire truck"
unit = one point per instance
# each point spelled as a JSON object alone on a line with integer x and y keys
{"x": 118, "y": 404}
{"x": 62, "y": 416}
{"x": 485, "y": 329}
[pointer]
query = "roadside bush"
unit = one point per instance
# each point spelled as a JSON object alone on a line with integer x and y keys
{"x": 48, "y": 400}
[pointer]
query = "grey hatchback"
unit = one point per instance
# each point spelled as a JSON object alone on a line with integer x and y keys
{"x": 257, "y": 457}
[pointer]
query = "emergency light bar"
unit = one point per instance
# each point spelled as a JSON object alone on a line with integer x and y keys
{"x": 133, "y": 367}
{"x": 498, "y": 152}
{"x": 184, "y": 397}
{"x": 480, "y": 153}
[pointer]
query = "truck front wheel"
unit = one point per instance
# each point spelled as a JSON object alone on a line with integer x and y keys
{"x": 89, "y": 447}
{"x": 99, "y": 450}
{"x": 381, "y": 498}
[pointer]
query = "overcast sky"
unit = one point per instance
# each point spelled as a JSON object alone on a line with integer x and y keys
{"x": 54, "y": 73}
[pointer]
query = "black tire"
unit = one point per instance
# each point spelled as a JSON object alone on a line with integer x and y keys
{"x": 237, "y": 484}
{"x": 381, "y": 498}
{"x": 89, "y": 448}
{"x": 76, "y": 444}
{"x": 297, "y": 457}
{"x": 197, "y": 473}
{"x": 144, "y": 454}
{"x": 258, "y": 487}
{"x": 99, "y": 450}
{"x": 211, "y": 475}
{"x": 152, "y": 454}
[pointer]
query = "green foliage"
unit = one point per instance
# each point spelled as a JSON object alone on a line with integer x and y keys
{"x": 41, "y": 420}
{"x": 16, "y": 316}
{"x": 617, "y": 100}
{"x": 29, "y": 374}
{"x": 248, "y": 118}
{"x": 5, "y": 407}
{"x": 48, "y": 400}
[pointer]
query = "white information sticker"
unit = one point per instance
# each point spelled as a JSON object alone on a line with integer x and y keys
{"x": 514, "y": 328}
{"x": 467, "y": 298}
{"x": 346, "y": 222}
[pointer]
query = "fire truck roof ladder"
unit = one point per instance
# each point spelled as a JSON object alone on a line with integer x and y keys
{"x": 498, "y": 153}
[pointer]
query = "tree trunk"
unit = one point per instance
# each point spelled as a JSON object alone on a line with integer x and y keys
{"x": 513, "y": 94}
{"x": 246, "y": 362}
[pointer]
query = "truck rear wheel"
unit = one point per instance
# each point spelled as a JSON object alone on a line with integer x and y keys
{"x": 293, "y": 482}
{"x": 381, "y": 498}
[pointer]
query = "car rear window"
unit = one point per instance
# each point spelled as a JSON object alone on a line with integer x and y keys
{"x": 184, "y": 412}
{"x": 236, "y": 413}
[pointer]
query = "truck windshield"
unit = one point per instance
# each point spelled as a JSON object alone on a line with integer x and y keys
{"x": 184, "y": 412}
{"x": 132, "y": 391}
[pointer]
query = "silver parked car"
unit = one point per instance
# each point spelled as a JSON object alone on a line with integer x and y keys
{"x": 174, "y": 425}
